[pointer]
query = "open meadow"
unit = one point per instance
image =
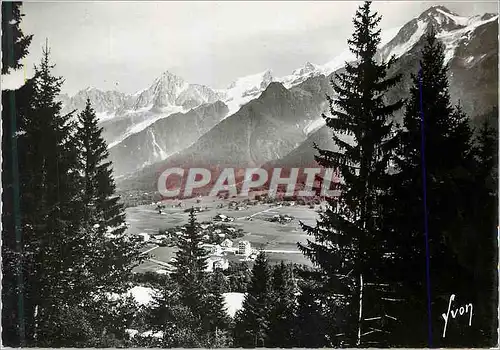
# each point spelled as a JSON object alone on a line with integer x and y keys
{"x": 277, "y": 239}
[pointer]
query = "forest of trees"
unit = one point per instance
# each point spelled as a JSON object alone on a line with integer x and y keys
{"x": 416, "y": 222}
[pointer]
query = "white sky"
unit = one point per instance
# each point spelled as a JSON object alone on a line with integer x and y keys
{"x": 126, "y": 45}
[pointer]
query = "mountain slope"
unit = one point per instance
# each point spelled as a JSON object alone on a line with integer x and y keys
{"x": 472, "y": 48}
{"x": 266, "y": 128}
{"x": 122, "y": 115}
{"x": 303, "y": 155}
{"x": 165, "y": 137}
{"x": 274, "y": 128}
{"x": 107, "y": 104}
{"x": 474, "y": 69}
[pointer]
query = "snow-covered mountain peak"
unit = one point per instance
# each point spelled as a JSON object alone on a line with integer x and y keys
{"x": 306, "y": 69}
{"x": 169, "y": 77}
{"x": 299, "y": 75}
{"x": 488, "y": 16}
{"x": 169, "y": 83}
{"x": 251, "y": 81}
{"x": 162, "y": 92}
{"x": 245, "y": 89}
{"x": 443, "y": 19}
{"x": 105, "y": 103}
{"x": 94, "y": 91}
{"x": 437, "y": 9}
{"x": 451, "y": 29}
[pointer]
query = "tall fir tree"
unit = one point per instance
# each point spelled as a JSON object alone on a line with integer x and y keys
{"x": 111, "y": 254}
{"x": 447, "y": 171}
{"x": 487, "y": 153}
{"x": 49, "y": 205}
{"x": 190, "y": 265}
{"x": 349, "y": 237}
{"x": 311, "y": 326}
{"x": 108, "y": 255}
{"x": 169, "y": 315}
{"x": 219, "y": 281}
{"x": 251, "y": 322}
{"x": 482, "y": 243}
{"x": 282, "y": 308}
{"x": 216, "y": 320}
{"x": 15, "y": 108}
{"x": 15, "y": 104}
{"x": 14, "y": 42}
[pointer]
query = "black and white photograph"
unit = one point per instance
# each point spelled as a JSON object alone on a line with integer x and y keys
{"x": 250, "y": 174}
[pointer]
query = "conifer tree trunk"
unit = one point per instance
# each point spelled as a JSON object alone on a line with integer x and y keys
{"x": 360, "y": 312}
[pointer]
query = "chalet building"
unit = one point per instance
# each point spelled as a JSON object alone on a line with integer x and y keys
{"x": 212, "y": 249}
{"x": 144, "y": 236}
{"x": 216, "y": 263}
{"x": 244, "y": 248}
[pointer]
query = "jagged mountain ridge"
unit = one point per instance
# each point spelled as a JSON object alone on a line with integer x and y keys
{"x": 165, "y": 137}
{"x": 264, "y": 129}
{"x": 472, "y": 49}
{"x": 471, "y": 53}
{"x": 106, "y": 103}
{"x": 473, "y": 80}
{"x": 122, "y": 115}
{"x": 126, "y": 115}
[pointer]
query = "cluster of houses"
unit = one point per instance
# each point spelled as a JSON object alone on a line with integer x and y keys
{"x": 282, "y": 219}
{"x": 223, "y": 218}
{"x": 159, "y": 239}
{"x": 218, "y": 253}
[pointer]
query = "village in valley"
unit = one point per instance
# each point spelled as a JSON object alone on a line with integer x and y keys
{"x": 234, "y": 230}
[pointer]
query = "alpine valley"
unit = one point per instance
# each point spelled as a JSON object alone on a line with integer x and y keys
{"x": 263, "y": 119}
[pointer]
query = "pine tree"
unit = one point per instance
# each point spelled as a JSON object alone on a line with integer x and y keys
{"x": 251, "y": 321}
{"x": 482, "y": 243}
{"x": 190, "y": 264}
{"x": 239, "y": 277}
{"x": 48, "y": 203}
{"x": 216, "y": 320}
{"x": 349, "y": 237}
{"x": 282, "y": 308}
{"x": 448, "y": 161}
{"x": 15, "y": 106}
{"x": 486, "y": 153}
{"x": 107, "y": 254}
{"x": 219, "y": 281}
{"x": 169, "y": 315}
{"x": 311, "y": 324}
{"x": 111, "y": 255}
{"x": 14, "y": 43}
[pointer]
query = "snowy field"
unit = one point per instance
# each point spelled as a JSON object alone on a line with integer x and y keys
{"x": 280, "y": 238}
{"x": 233, "y": 302}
